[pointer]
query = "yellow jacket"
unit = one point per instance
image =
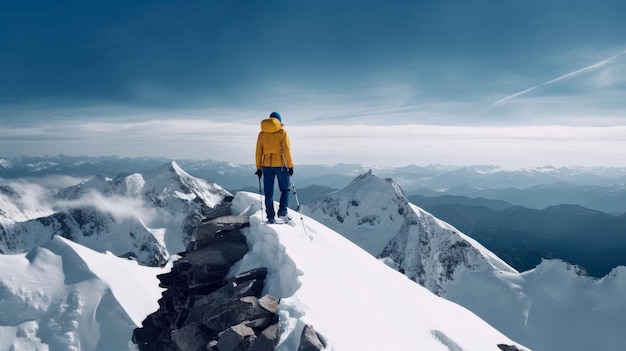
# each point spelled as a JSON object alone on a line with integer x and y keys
{"x": 272, "y": 145}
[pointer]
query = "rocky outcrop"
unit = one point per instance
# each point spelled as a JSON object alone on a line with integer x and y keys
{"x": 202, "y": 309}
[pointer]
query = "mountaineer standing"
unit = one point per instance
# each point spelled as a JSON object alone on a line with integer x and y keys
{"x": 273, "y": 160}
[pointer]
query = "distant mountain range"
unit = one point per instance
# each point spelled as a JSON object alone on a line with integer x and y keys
{"x": 608, "y": 198}
{"x": 599, "y": 188}
{"x": 594, "y": 240}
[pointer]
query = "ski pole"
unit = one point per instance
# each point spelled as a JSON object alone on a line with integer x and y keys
{"x": 295, "y": 194}
{"x": 261, "y": 198}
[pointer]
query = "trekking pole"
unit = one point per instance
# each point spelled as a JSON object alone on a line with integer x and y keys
{"x": 295, "y": 194}
{"x": 261, "y": 198}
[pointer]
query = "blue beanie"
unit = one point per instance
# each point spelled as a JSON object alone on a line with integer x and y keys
{"x": 276, "y": 115}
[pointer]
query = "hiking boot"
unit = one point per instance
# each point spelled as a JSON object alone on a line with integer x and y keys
{"x": 286, "y": 218}
{"x": 271, "y": 220}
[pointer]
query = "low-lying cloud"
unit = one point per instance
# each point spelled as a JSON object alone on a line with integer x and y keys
{"x": 33, "y": 198}
{"x": 119, "y": 207}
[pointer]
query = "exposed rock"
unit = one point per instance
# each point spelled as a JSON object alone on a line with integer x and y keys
{"x": 505, "y": 347}
{"x": 206, "y": 230}
{"x": 190, "y": 337}
{"x": 310, "y": 340}
{"x": 269, "y": 303}
{"x": 235, "y": 338}
{"x": 220, "y": 317}
{"x": 236, "y": 287}
{"x": 267, "y": 339}
{"x": 225, "y": 249}
{"x": 220, "y": 210}
{"x": 203, "y": 309}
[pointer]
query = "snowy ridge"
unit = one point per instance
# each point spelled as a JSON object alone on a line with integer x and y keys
{"x": 326, "y": 281}
{"x": 431, "y": 252}
{"x": 495, "y": 261}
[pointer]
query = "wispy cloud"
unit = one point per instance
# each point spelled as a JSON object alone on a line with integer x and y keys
{"x": 33, "y": 199}
{"x": 119, "y": 207}
{"x": 578, "y": 72}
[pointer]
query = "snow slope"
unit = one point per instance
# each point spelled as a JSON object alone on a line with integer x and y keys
{"x": 63, "y": 296}
{"x": 552, "y": 307}
{"x": 354, "y": 300}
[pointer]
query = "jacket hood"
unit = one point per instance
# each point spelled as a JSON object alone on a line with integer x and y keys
{"x": 271, "y": 125}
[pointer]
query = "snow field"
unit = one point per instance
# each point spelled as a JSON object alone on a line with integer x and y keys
{"x": 63, "y": 296}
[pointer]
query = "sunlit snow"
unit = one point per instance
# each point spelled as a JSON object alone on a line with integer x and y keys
{"x": 351, "y": 298}
{"x": 63, "y": 296}
{"x": 66, "y": 297}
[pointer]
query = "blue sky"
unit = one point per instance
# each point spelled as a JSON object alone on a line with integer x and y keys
{"x": 512, "y": 83}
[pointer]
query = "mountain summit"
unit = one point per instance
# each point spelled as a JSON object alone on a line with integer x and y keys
{"x": 375, "y": 214}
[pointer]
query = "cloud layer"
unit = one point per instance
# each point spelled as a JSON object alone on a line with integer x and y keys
{"x": 384, "y": 145}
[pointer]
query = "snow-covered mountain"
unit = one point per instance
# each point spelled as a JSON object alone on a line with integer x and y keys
{"x": 374, "y": 214}
{"x": 553, "y": 306}
{"x": 22, "y": 201}
{"x": 148, "y": 215}
{"x": 60, "y": 295}
{"x": 63, "y": 296}
{"x": 355, "y": 301}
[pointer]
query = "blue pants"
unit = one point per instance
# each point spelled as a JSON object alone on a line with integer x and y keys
{"x": 282, "y": 175}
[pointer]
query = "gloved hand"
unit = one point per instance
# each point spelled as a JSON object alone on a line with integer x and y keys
{"x": 290, "y": 170}
{"x": 259, "y": 173}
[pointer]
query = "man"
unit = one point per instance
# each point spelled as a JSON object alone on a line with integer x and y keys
{"x": 273, "y": 160}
